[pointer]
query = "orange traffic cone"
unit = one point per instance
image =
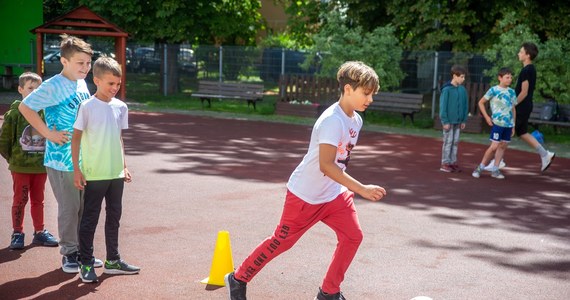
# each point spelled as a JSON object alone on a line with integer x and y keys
{"x": 222, "y": 262}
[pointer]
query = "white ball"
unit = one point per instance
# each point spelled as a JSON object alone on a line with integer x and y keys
{"x": 421, "y": 298}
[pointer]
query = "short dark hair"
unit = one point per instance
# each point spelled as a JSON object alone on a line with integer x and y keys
{"x": 531, "y": 49}
{"x": 504, "y": 71}
{"x": 28, "y": 76}
{"x": 105, "y": 64}
{"x": 71, "y": 45}
{"x": 458, "y": 70}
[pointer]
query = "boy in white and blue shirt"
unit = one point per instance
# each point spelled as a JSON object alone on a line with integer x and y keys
{"x": 60, "y": 97}
{"x": 503, "y": 100}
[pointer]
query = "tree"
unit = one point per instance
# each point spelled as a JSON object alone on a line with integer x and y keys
{"x": 337, "y": 43}
{"x": 172, "y": 22}
{"x": 552, "y": 62}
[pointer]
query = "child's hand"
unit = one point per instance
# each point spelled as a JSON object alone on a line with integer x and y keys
{"x": 446, "y": 127}
{"x": 462, "y": 126}
{"x": 78, "y": 180}
{"x": 489, "y": 121}
{"x": 58, "y": 137}
{"x": 513, "y": 133}
{"x": 128, "y": 177}
{"x": 373, "y": 192}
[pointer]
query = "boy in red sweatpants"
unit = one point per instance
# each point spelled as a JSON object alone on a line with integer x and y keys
{"x": 320, "y": 190}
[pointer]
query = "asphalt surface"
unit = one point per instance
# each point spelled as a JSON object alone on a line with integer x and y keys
{"x": 442, "y": 235}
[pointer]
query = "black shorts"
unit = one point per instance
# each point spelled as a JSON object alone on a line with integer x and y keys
{"x": 521, "y": 123}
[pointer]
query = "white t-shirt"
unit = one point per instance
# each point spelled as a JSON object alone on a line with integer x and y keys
{"x": 101, "y": 148}
{"x": 335, "y": 128}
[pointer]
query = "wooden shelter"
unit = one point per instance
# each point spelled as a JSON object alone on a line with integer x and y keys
{"x": 83, "y": 22}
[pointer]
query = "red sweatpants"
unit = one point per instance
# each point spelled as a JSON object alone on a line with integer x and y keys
{"x": 34, "y": 186}
{"x": 298, "y": 216}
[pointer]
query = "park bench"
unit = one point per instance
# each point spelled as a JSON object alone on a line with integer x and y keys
{"x": 406, "y": 104}
{"x": 208, "y": 90}
{"x": 562, "y": 120}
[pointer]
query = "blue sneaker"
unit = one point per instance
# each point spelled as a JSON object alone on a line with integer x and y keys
{"x": 17, "y": 241}
{"x": 87, "y": 273}
{"x": 45, "y": 238}
{"x": 69, "y": 263}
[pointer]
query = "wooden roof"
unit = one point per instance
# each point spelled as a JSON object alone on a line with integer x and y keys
{"x": 81, "y": 21}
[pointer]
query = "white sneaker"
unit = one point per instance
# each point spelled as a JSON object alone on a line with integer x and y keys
{"x": 547, "y": 160}
{"x": 489, "y": 167}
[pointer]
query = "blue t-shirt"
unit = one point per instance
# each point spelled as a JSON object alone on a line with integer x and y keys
{"x": 59, "y": 97}
{"x": 502, "y": 102}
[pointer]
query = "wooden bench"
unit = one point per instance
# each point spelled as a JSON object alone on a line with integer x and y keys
{"x": 563, "y": 119}
{"x": 222, "y": 90}
{"x": 406, "y": 104}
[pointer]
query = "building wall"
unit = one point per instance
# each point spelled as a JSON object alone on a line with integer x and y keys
{"x": 274, "y": 15}
{"x": 17, "y": 44}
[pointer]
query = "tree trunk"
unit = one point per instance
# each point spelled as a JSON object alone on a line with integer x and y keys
{"x": 170, "y": 65}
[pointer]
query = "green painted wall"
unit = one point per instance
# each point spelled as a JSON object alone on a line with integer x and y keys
{"x": 17, "y": 44}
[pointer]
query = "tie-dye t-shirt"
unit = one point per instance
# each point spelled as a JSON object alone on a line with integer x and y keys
{"x": 101, "y": 147}
{"x": 59, "y": 97}
{"x": 502, "y": 102}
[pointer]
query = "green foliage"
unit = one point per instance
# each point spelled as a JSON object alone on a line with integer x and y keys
{"x": 337, "y": 43}
{"x": 552, "y": 62}
{"x": 280, "y": 40}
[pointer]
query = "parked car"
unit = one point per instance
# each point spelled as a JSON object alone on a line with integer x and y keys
{"x": 147, "y": 60}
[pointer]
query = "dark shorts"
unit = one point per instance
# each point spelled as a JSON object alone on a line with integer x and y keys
{"x": 501, "y": 134}
{"x": 521, "y": 122}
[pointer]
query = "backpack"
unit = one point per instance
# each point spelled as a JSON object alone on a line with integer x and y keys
{"x": 549, "y": 110}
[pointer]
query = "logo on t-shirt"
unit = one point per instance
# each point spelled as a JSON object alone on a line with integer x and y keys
{"x": 32, "y": 141}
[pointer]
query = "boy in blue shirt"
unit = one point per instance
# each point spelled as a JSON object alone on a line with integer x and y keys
{"x": 503, "y": 100}
{"x": 60, "y": 97}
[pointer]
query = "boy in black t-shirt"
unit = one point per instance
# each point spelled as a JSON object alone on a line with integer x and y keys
{"x": 524, "y": 89}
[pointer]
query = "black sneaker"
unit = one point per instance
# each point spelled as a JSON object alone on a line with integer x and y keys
{"x": 44, "y": 238}
{"x": 17, "y": 241}
{"x": 69, "y": 263}
{"x": 118, "y": 267}
{"x": 324, "y": 296}
{"x": 236, "y": 288}
{"x": 87, "y": 273}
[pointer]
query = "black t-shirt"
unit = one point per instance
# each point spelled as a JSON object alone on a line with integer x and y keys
{"x": 527, "y": 73}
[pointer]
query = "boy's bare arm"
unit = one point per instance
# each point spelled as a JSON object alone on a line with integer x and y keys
{"x": 128, "y": 177}
{"x": 483, "y": 111}
{"x": 78, "y": 178}
{"x": 327, "y": 155}
{"x": 58, "y": 137}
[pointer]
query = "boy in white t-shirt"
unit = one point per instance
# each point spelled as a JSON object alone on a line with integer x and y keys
{"x": 320, "y": 190}
{"x": 102, "y": 171}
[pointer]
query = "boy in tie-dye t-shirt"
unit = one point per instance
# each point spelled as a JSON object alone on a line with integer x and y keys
{"x": 503, "y": 101}
{"x": 60, "y": 97}
{"x": 102, "y": 171}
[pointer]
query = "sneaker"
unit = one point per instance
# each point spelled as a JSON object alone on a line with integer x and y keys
{"x": 455, "y": 168}
{"x": 87, "y": 273}
{"x": 446, "y": 168}
{"x": 97, "y": 263}
{"x": 324, "y": 296}
{"x": 491, "y": 164}
{"x": 236, "y": 288}
{"x": 497, "y": 174}
{"x": 69, "y": 263}
{"x": 547, "y": 160}
{"x": 44, "y": 238}
{"x": 477, "y": 172}
{"x": 120, "y": 267}
{"x": 17, "y": 241}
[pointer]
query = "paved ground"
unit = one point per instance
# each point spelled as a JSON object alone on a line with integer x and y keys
{"x": 447, "y": 236}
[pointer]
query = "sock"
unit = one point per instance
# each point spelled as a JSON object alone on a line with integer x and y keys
{"x": 495, "y": 168}
{"x": 541, "y": 151}
{"x": 481, "y": 165}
